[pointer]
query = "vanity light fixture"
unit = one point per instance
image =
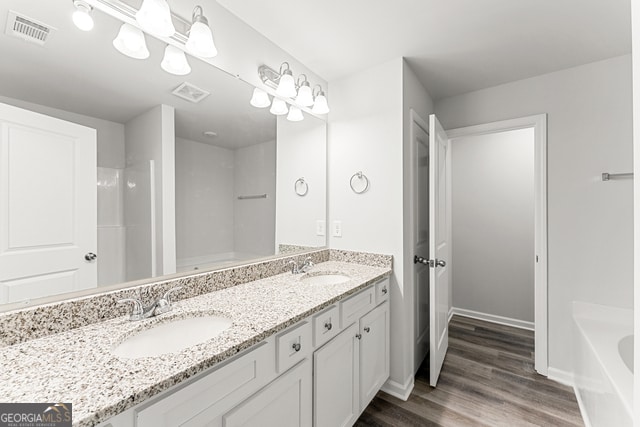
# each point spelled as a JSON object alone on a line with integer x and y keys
{"x": 131, "y": 42}
{"x": 305, "y": 95}
{"x": 295, "y": 114}
{"x": 320, "y": 105}
{"x": 175, "y": 61}
{"x": 287, "y": 85}
{"x": 82, "y": 15}
{"x": 154, "y": 17}
{"x": 260, "y": 98}
{"x": 278, "y": 107}
{"x": 200, "y": 42}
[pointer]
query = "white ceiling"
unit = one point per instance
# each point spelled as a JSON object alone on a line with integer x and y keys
{"x": 81, "y": 72}
{"x": 454, "y": 46}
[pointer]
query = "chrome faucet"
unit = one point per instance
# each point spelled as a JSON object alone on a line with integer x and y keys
{"x": 158, "y": 307}
{"x": 297, "y": 269}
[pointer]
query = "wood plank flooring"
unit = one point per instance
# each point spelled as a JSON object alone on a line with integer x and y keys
{"x": 487, "y": 379}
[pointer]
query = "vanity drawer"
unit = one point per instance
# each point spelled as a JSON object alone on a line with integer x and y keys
{"x": 326, "y": 325}
{"x": 354, "y": 307}
{"x": 212, "y": 394}
{"x": 382, "y": 290}
{"x": 292, "y": 346}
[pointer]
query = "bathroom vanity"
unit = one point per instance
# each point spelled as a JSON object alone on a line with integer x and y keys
{"x": 300, "y": 350}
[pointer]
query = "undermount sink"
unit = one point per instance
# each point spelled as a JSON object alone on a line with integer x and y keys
{"x": 172, "y": 336}
{"x": 325, "y": 279}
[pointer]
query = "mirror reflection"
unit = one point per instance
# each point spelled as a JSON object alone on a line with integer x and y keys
{"x": 113, "y": 170}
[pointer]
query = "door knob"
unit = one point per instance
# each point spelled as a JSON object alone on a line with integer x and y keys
{"x": 418, "y": 259}
{"x": 440, "y": 263}
{"x": 90, "y": 256}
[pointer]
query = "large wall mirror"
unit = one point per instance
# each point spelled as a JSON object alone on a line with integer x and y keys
{"x": 172, "y": 185}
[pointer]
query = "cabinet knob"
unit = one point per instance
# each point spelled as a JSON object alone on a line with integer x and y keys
{"x": 328, "y": 326}
{"x": 384, "y": 290}
{"x": 359, "y": 336}
{"x": 90, "y": 256}
{"x": 367, "y": 329}
{"x": 297, "y": 346}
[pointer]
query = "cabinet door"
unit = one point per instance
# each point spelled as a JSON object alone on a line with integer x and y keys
{"x": 374, "y": 353}
{"x": 335, "y": 381}
{"x": 286, "y": 402}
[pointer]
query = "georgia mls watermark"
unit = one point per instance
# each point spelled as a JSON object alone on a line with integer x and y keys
{"x": 35, "y": 414}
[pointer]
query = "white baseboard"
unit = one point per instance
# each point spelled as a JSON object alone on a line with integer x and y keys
{"x": 401, "y": 391}
{"x": 583, "y": 411}
{"x": 516, "y": 323}
{"x": 560, "y": 376}
{"x": 450, "y": 313}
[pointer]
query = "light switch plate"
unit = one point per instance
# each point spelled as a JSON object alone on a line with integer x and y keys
{"x": 337, "y": 229}
{"x": 320, "y": 227}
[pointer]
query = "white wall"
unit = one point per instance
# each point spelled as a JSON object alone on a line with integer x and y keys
{"x": 151, "y": 136}
{"x": 493, "y": 223}
{"x": 590, "y": 222}
{"x": 255, "y": 219}
{"x": 301, "y": 152}
{"x": 204, "y": 200}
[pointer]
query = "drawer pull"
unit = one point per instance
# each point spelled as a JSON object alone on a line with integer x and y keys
{"x": 367, "y": 329}
{"x": 384, "y": 290}
{"x": 328, "y": 326}
{"x": 297, "y": 346}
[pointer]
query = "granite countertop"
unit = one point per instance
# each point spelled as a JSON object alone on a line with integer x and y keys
{"x": 77, "y": 366}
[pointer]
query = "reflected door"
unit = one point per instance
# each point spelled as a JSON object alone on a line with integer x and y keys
{"x": 48, "y": 212}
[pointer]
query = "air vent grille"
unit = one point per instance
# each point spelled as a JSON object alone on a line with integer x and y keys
{"x": 190, "y": 92}
{"x": 27, "y": 29}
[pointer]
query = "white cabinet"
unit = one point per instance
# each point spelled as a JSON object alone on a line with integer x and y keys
{"x": 374, "y": 352}
{"x": 335, "y": 381}
{"x": 286, "y": 402}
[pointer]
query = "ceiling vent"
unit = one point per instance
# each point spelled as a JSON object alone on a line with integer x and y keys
{"x": 190, "y": 92}
{"x": 27, "y": 29}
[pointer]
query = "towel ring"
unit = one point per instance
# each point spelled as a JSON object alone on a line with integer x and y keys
{"x": 301, "y": 187}
{"x": 360, "y": 177}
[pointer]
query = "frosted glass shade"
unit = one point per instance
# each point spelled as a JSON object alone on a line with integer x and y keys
{"x": 295, "y": 114}
{"x": 278, "y": 107}
{"x": 200, "y": 42}
{"x": 260, "y": 98}
{"x": 81, "y": 17}
{"x": 175, "y": 61}
{"x": 320, "y": 106}
{"x": 154, "y": 17}
{"x": 130, "y": 41}
{"x": 287, "y": 86}
{"x": 305, "y": 95}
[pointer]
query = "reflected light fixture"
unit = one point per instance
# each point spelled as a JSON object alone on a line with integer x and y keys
{"x": 200, "y": 42}
{"x": 154, "y": 17}
{"x": 81, "y": 16}
{"x": 287, "y": 85}
{"x": 320, "y": 105}
{"x": 295, "y": 114}
{"x": 260, "y": 98}
{"x": 305, "y": 95}
{"x": 278, "y": 107}
{"x": 175, "y": 61}
{"x": 130, "y": 41}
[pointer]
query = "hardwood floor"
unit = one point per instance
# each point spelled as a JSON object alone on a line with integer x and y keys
{"x": 487, "y": 380}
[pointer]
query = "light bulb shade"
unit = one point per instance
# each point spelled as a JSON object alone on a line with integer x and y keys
{"x": 278, "y": 107}
{"x": 260, "y": 98}
{"x": 175, "y": 61}
{"x": 320, "y": 106}
{"x": 200, "y": 42}
{"x": 154, "y": 17}
{"x": 130, "y": 41}
{"x": 287, "y": 86}
{"x": 295, "y": 114}
{"x": 305, "y": 95}
{"x": 81, "y": 17}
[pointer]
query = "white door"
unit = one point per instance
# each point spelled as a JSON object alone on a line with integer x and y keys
{"x": 420, "y": 173}
{"x": 48, "y": 205}
{"x": 438, "y": 249}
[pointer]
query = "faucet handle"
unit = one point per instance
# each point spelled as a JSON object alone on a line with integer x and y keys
{"x": 294, "y": 267}
{"x": 167, "y": 295}
{"x": 137, "y": 311}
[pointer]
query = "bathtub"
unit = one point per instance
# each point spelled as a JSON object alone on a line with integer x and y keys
{"x": 603, "y": 364}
